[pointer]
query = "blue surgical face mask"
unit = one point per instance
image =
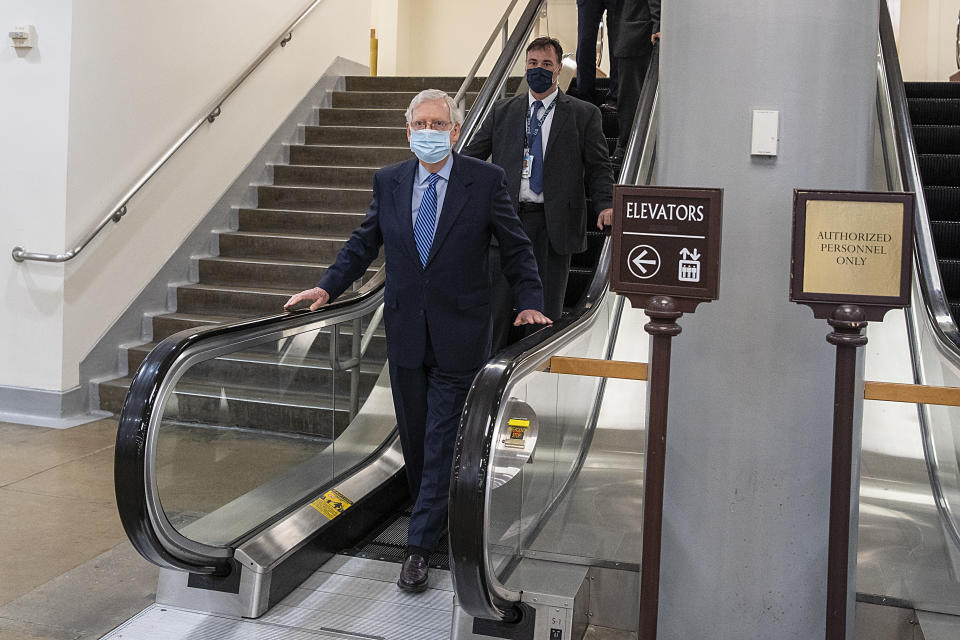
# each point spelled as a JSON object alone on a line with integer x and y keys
{"x": 539, "y": 79}
{"x": 429, "y": 145}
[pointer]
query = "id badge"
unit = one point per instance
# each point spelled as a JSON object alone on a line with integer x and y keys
{"x": 527, "y": 170}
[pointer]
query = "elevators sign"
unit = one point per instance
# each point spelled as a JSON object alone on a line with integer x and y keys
{"x": 852, "y": 247}
{"x": 666, "y": 242}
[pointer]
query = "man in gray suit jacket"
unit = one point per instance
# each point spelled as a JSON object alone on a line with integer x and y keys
{"x": 554, "y": 153}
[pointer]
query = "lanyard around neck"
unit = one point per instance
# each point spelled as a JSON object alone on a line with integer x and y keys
{"x": 531, "y": 133}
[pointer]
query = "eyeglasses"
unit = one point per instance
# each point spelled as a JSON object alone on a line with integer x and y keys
{"x": 436, "y": 125}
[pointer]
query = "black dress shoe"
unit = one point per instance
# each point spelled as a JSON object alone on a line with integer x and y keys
{"x": 413, "y": 574}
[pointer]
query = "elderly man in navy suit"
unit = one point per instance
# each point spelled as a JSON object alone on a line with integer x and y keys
{"x": 435, "y": 217}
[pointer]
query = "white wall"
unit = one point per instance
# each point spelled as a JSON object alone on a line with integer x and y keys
{"x": 384, "y": 18}
{"x": 135, "y": 76}
{"x": 439, "y": 37}
{"x": 928, "y": 32}
{"x": 132, "y": 94}
{"x": 33, "y": 178}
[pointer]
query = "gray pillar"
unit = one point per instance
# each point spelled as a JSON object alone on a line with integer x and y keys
{"x": 748, "y": 448}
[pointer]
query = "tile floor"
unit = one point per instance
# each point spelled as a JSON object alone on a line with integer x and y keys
{"x": 67, "y": 571}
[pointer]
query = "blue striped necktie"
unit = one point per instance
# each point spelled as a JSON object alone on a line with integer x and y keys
{"x": 426, "y": 220}
{"x": 536, "y": 150}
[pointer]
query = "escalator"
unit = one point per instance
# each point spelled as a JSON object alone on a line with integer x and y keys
{"x": 935, "y": 125}
{"x": 239, "y": 519}
{"x": 909, "y": 553}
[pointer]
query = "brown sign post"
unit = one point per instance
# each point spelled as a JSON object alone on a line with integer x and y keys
{"x": 852, "y": 253}
{"x": 666, "y": 260}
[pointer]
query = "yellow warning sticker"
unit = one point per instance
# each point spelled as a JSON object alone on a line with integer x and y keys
{"x": 518, "y": 431}
{"x": 331, "y": 504}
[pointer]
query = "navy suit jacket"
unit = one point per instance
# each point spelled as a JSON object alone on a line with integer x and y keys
{"x": 450, "y": 297}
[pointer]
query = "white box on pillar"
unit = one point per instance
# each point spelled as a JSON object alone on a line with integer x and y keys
{"x": 766, "y": 133}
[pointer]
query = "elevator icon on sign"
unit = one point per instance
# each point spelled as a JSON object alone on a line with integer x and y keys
{"x": 689, "y": 266}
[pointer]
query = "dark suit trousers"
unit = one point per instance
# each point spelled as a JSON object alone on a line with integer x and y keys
{"x": 632, "y": 72}
{"x": 554, "y": 270}
{"x": 589, "y": 14}
{"x": 428, "y": 401}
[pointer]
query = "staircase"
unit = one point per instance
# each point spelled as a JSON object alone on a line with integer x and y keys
{"x": 280, "y": 247}
{"x": 935, "y": 116}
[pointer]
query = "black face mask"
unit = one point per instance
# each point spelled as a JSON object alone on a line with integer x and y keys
{"x": 539, "y": 79}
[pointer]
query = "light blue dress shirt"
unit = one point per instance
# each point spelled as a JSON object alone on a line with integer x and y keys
{"x": 421, "y": 182}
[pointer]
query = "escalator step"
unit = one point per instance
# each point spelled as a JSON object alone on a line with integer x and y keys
{"x": 390, "y": 544}
{"x": 932, "y": 89}
{"x": 937, "y": 138}
{"x": 950, "y": 275}
{"x": 611, "y": 145}
{"x": 611, "y": 123}
{"x": 946, "y": 238}
{"x": 940, "y": 170}
{"x": 943, "y": 203}
{"x": 934, "y": 111}
{"x": 577, "y": 284}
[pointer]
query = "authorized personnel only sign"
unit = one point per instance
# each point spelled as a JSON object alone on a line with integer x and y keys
{"x": 666, "y": 241}
{"x": 852, "y": 247}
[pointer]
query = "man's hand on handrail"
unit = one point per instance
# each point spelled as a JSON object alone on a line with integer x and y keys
{"x": 531, "y": 316}
{"x": 317, "y": 295}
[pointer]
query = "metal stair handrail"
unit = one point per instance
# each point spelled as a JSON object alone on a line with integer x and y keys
{"x": 500, "y": 28}
{"x": 119, "y": 210}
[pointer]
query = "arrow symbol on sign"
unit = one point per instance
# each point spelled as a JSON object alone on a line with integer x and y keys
{"x": 640, "y": 262}
{"x": 686, "y": 254}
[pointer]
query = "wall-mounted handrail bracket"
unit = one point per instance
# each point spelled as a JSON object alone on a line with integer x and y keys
{"x": 287, "y": 39}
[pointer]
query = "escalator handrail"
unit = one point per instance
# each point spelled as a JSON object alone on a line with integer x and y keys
{"x": 147, "y": 527}
{"x": 500, "y": 26}
{"x": 934, "y": 297}
{"x": 479, "y": 592}
{"x": 500, "y": 72}
{"x": 893, "y": 111}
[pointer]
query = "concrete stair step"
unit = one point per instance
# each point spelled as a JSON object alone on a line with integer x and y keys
{"x": 361, "y": 117}
{"x": 167, "y": 324}
{"x": 263, "y": 272}
{"x": 276, "y": 373}
{"x": 418, "y": 83}
{"x": 319, "y": 249}
{"x": 348, "y": 156}
{"x": 348, "y": 200}
{"x": 315, "y": 413}
{"x": 450, "y": 84}
{"x": 294, "y": 221}
{"x": 382, "y": 99}
{"x": 323, "y": 176}
{"x": 235, "y": 301}
{"x": 350, "y": 135}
